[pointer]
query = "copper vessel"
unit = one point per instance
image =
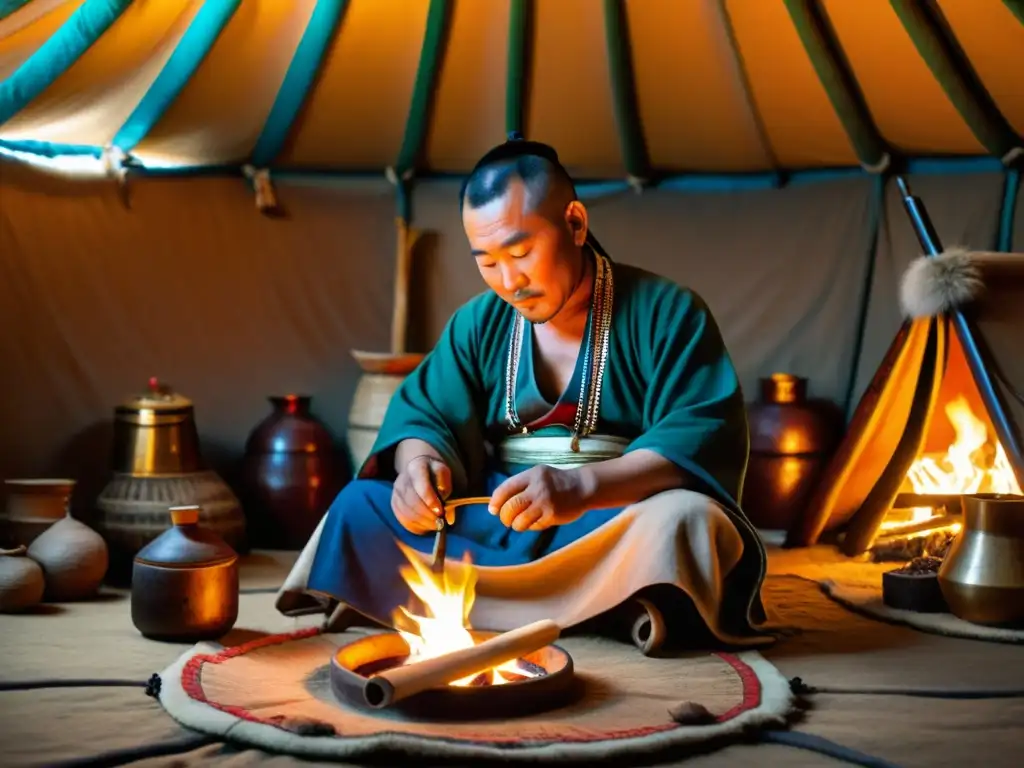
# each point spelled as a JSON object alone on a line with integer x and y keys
{"x": 157, "y": 464}
{"x": 292, "y": 472}
{"x": 156, "y": 434}
{"x": 982, "y": 575}
{"x": 185, "y": 582}
{"x": 792, "y": 438}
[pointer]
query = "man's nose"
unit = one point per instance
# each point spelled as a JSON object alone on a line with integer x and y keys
{"x": 512, "y": 279}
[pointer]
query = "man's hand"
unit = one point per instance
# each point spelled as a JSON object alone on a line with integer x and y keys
{"x": 539, "y": 498}
{"x": 419, "y": 489}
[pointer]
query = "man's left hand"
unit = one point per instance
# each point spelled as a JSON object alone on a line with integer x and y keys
{"x": 539, "y": 498}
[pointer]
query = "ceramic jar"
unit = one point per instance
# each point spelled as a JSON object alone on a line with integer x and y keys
{"x": 74, "y": 560}
{"x": 33, "y": 505}
{"x": 21, "y": 581}
{"x": 185, "y": 582}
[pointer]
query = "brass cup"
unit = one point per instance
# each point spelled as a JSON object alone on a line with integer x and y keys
{"x": 982, "y": 575}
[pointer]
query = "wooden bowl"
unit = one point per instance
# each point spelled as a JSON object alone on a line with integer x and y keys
{"x": 387, "y": 362}
{"x": 355, "y": 662}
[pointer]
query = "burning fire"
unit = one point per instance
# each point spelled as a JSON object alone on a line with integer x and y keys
{"x": 972, "y": 464}
{"x": 448, "y": 599}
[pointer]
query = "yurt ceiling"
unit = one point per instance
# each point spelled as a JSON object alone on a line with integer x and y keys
{"x": 627, "y": 90}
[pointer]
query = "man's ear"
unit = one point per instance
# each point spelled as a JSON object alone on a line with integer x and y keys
{"x": 576, "y": 218}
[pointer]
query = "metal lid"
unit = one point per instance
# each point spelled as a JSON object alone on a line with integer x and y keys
{"x": 186, "y": 544}
{"x": 159, "y": 397}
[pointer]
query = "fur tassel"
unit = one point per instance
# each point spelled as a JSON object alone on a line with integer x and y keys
{"x": 933, "y": 285}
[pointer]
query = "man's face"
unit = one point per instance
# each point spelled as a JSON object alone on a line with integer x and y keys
{"x": 526, "y": 258}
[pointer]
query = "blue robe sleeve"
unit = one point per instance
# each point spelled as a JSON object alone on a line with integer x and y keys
{"x": 439, "y": 403}
{"x": 693, "y": 411}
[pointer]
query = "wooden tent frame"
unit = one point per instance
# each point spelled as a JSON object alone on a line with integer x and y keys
{"x": 914, "y": 367}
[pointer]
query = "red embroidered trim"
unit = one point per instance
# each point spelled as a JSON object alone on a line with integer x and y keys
{"x": 191, "y": 683}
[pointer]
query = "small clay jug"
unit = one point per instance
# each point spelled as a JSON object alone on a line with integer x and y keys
{"x": 74, "y": 559}
{"x": 185, "y": 582}
{"x": 21, "y": 581}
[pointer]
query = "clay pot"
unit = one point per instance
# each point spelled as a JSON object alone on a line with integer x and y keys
{"x": 292, "y": 473}
{"x": 791, "y": 441}
{"x": 185, "y": 582}
{"x": 33, "y": 505}
{"x": 21, "y": 581}
{"x": 382, "y": 373}
{"x": 74, "y": 560}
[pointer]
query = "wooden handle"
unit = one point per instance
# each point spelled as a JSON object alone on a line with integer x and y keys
{"x": 386, "y": 688}
{"x": 407, "y": 238}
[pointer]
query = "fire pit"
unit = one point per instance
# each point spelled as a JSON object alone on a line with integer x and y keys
{"x": 540, "y": 680}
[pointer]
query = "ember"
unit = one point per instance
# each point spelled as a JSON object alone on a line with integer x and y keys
{"x": 921, "y": 565}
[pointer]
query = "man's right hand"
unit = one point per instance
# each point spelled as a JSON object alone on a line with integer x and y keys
{"x": 419, "y": 490}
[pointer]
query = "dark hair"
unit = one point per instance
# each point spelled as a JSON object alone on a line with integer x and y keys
{"x": 535, "y": 164}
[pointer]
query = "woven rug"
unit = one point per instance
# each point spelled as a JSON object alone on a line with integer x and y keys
{"x": 867, "y": 600}
{"x": 274, "y": 693}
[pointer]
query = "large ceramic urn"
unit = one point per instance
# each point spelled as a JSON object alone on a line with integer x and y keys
{"x": 157, "y": 465}
{"x": 292, "y": 474}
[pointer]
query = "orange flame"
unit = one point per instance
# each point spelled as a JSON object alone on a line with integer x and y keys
{"x": 972, "y": 464}
{"x": 448, "y": 598}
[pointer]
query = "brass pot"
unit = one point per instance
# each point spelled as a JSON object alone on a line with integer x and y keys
{"x": 185, "y": 582}
{"x": 982, "y": 575}
{"x": 155, "y": 434}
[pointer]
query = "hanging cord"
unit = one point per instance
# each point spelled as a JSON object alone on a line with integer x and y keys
{"x": 799, "y": 687}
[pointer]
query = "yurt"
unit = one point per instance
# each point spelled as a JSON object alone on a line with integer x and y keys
{"x": 230, "y": 229}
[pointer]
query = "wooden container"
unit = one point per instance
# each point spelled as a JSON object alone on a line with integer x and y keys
{"x": 185, "y": 582}
{"x": 382, "y": 375}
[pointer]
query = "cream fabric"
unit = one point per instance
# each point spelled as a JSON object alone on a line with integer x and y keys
{"x": 676, "y": 537}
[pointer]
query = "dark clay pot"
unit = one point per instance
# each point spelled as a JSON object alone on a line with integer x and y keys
{"x": 292, "y": 473}
{"x": 791, "y": 441}
{"x": 185, "y": 582}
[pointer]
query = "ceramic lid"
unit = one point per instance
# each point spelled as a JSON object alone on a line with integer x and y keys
{"x": 186, "y": 544}
{"x": 159, "y": 397}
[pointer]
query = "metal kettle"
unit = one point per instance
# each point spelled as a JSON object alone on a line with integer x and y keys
{"x": 982, "y": 575}
{"x": 155, "y": 434}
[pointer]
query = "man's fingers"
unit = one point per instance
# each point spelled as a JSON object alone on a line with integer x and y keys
{"x": 527, "y": 518}
{"x": 512, "y": 508}
{"x": 507, "y": 490}
{"x": 415, "y": 510}
{"x": 442, "y": 479}
{"x": 543, "y": 522}
{"x": 423, "y": 485}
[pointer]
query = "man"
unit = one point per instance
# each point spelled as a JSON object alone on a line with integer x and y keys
{"x": 594, "y": 404}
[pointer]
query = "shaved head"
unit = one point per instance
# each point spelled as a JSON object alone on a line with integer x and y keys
{"x": 547, "y": 188}
{"x": 526, "y": 228}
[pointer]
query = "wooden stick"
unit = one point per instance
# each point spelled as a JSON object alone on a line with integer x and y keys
{"x": 385, "y": 688}
{"x": 407, "y": 238}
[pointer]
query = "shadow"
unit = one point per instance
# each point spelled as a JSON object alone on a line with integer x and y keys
{"x": 43, "y": 609}
{"x": 86, "y": 458}
{"x": 425, "y": 260}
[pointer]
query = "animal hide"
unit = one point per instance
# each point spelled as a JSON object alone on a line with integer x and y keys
{"x": 933, "y": 285}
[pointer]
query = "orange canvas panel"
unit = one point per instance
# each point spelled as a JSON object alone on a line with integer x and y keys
{"x": 219, "y": 114}
{"x": 469, "y": 101}
{"x": 909, "y": 107}
{"x": 570, "y": 98}
{"x": 799, "y": 120}
{"x": 24, "y": 31}
{"x": 693, "y": 110}
{"x": 993, "y": 40}
{"x": 355, "y": 117}
{"x": 94, "y": 97}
